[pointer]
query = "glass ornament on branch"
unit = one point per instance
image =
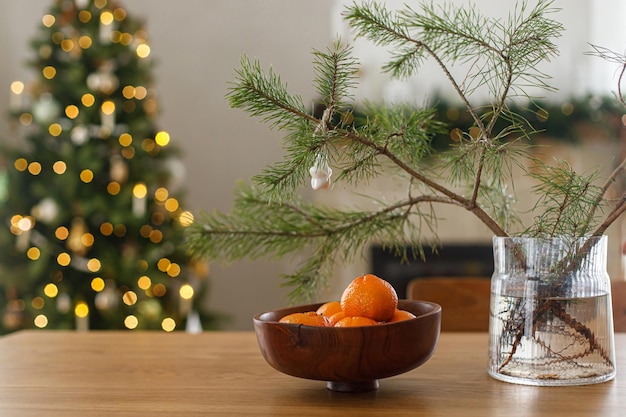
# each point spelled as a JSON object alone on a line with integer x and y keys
{"x": 536, "y": 310}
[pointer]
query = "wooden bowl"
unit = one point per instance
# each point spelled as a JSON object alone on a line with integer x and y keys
{"x": 350, "y": 359}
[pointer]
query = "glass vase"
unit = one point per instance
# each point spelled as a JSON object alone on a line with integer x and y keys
{"x": 551, "y": 320}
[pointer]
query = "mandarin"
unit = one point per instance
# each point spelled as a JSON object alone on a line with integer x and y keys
{"x": 332, "y": 320}
{"x": 369, "y": 296}
{"x": 355, "y": 322}
{"x": 329, "y": 308}
{"x": 309, "y": 318}
{"x": 401, "y": 315}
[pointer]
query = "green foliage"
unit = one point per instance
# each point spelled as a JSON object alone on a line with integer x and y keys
{"x": 363, "y": 141}
{"x": 565, "y": 203}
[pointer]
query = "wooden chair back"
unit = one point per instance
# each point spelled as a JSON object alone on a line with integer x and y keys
{"x": 618, "y": 293}
{"x": 464, "y": 301}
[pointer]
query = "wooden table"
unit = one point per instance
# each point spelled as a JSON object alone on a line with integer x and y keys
{"x": 115, "y": 374}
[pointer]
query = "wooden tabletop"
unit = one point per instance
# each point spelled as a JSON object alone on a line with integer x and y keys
{"x": 116, "y": 374}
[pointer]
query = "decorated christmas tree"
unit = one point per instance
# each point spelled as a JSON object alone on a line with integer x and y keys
{"x": 90, "y": 197}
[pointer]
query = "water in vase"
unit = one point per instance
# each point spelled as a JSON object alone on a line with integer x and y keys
{"x": 552, "y": 341}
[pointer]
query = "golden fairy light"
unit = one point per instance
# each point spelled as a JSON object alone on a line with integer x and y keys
{"x": 144, "y": 282}
{"x": 64, "y": 259}
{"x": 186, "y": 218}
{"x": 26, "y": 119}
{"x": 20, "y": 164}
{"x": 128, "y": 152}
{"x": 156, "y": 236}
{"x": 85, "y": 42}
{"x": 114, "y": 188}
{"x": 128, "y": 92}
{"x": 97, "y": 284}
{"x": 48, "y": 20}
{"x": 171, "y": 205}
{"x": 88, "y": 100}
{"x": 17, "y": 87}
{"x": 20, "y": 224}
{"x": 173, "y": 270}
{"x": 94, "y": 265}
{"x": 161, "y": 194}
{"x": 49, "y": 72}
{"x": 16, "y": 98}
{"x": 106, "y": 18}
{"x": 119, "y": 14}
{"x": 145, "y": 230}
{"x": 140, "y": 190}
{"x": 34, "y": 168}
{"x": 131, "y": 322}
{"x": 61, "y": 233}
{"x": 119, "y": 230}
{"x": 168, "y": 324}
{"x": 143, "y": 50}
{"x": 81, "y": 310}
{"x": 159, "y": 290}
{"x": 125, "y": 139}
{"x": 33, "y": 253}
{"x": 148, "y": 145}
{"x": 186, "y": 292}
{"x": 86, "y": 176}
{"x": 108, "y": 107}
{"x": 71, "y": 111}
{"x": 59, "y": 167}
{"x": 14, "y": 221}
{"x": 157, "y": 218}
{"x": 26, "y": 223}
{"x": 106, "y": 229}
{"x": 140, "y": 92}
{"x": 163, "y": 264}
{"x": 41, "y": 321}
{"x": 162, "y": 138}
{"x": 55, "y": 129}
{"x": 87, "y": 240}
{"x": 51, "y": 290}
{"x": 84, "y": 16}
{"x": 129, "y": 298}
{"x": 38, "y": 303}
{"x": 67, "y": 45}
{"x": 124, "y": 38}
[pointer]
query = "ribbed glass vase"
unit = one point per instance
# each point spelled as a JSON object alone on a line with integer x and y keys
{"x": 551, "y": 318}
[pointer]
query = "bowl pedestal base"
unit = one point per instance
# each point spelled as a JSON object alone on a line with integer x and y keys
{"x": 361, "y": 386}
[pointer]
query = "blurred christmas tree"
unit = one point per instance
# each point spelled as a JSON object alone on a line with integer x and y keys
{"x": 89, "y": 197}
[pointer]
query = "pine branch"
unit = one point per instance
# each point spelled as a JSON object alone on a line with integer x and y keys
{"x": 286, "y": 229}
{"x": 566, "y": 199}
{"x": 266, "y": 96}
{"x": 614, "y": 57}
{"x": 502, "y": 55}
{"x": 336, "y": 71}
{"x": 451, "y": 195}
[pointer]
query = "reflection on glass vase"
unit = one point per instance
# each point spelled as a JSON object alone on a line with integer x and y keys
{"x": 551, "y": 318}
